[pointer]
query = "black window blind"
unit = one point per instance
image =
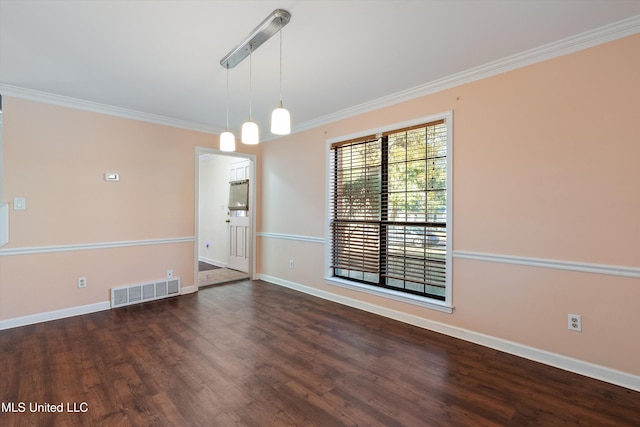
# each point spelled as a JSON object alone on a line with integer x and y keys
{"x": 389, "y": 210}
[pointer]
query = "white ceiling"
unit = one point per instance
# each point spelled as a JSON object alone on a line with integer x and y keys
{"x": 161, "y": 58}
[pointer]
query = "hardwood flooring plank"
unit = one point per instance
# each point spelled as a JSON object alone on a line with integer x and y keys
{"x": 254, "y": 354}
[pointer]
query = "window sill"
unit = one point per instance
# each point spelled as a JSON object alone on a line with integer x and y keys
{"x": 441, "y": 306}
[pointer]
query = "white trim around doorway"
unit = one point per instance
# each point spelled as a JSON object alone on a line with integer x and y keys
{"x": 200, "y": 151}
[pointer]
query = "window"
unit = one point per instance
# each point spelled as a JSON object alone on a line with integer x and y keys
{"x": 389, "y": 210}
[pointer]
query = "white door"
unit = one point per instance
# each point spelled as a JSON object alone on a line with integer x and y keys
{"x": 239, "y": 232}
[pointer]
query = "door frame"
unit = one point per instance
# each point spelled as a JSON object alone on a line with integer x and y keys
{"x": 252, "y": 206}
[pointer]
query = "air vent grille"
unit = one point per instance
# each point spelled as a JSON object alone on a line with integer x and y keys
{"x": 142, "y": 292}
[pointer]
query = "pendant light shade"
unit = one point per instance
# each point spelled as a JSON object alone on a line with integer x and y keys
{"x": 250, "y": 133}
{"x": 280, "y": 121}
{"x": 280, "y": 118}
{"x": 227, "y": 141}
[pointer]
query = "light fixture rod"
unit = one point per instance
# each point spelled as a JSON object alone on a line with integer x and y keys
{"x": 227, "y": 99}
{"x": 250, "y": 84}
{"x": 280, "y": 31}
{"x": 263, "y": 32}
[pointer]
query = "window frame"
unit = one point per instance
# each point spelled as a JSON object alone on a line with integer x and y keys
{"x": 423, "y": 301}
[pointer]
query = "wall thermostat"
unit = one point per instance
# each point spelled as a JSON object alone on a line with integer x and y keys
{"x": 109, "y": 176}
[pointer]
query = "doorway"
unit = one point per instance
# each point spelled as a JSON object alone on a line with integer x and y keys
{"x": 225, "y": 237}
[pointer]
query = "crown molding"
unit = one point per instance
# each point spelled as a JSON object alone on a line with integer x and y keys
{"x": 96, "y": 107}
{"x": 585, "y": 40}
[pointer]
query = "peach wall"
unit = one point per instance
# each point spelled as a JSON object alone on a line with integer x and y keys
{"x": 56, "y": 158}
{"x": 545, "y": 159}
{"x": 529, "y": 306}
{"x": 52, "y": 284}
{"x": 300, "y": 193}
{"x": 545, "y": 166}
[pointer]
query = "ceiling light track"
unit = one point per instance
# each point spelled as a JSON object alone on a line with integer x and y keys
{"x": 263, "y": 32}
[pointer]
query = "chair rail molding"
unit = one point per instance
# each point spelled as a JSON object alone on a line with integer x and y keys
{"x": 582, "y": 267}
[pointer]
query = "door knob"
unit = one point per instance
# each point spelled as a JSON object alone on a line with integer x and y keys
{"x": 227, "y": 220}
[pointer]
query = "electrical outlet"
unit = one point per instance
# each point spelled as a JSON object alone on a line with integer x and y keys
{"x": 169, "y": 274}
{"x": 291, "y": 264}
{"x": 574, "y": 322}
{"x": 82, "y": 282}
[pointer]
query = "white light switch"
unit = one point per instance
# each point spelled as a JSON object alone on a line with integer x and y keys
{"x": 19, "y": 204}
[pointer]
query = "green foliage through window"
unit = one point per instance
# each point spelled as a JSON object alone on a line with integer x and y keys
{"x": 389, "y": 210}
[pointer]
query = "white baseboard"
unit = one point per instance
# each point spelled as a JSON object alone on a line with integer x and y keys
{"x": 591, "y": 370}
{"x": 213, "y": 262}
{"x": 54, "y": 315}
{"x": 69, "y": 312}
{"x": 188, "y": 290}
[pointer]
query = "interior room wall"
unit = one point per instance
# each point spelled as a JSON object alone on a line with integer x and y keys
{"x": 213, "y": 201}
{"x": 545, "y": 168}
{"x": 76, "y": 224}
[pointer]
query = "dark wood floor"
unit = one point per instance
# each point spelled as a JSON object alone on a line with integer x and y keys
{"x": 255, "y": 354}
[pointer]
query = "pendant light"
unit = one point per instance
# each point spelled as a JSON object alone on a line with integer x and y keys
{"x": 250, "y": 132}
{"x": 227, "y": 140}
{"x": 280, "y": 118}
